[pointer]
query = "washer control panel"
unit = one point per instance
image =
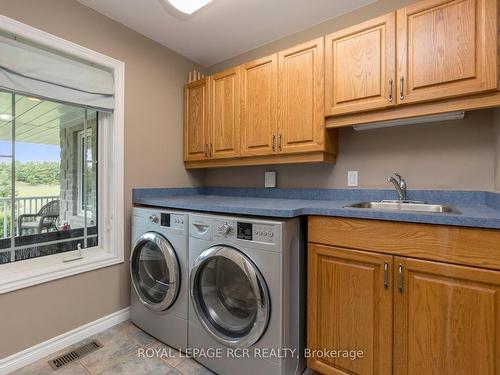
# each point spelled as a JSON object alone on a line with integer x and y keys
{"x": 264, "y": 233}
{"x": 177, "y": 221}
{"x": 225, "y": 229}
{"x": 237, "y": 231}
{"x": 244, "y": 230}
{"x": 167, "y": 220}
{"x": 160, "y": 220}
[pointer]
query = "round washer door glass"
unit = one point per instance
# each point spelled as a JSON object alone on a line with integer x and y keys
{"x": 230, "y": 296}
{"x": 154, "y": 269}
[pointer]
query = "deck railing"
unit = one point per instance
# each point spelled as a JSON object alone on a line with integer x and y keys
{"x": 23, "y": 205}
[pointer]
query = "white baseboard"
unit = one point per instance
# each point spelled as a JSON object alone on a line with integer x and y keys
{"x": 36, "y": 352}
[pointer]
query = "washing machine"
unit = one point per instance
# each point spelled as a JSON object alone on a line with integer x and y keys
{"x": 247, "y": 295}
{"x": 159, "y": 274}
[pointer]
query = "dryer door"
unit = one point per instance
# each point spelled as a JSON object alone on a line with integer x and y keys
{"x": 154, "y": 270}
{"x": 230, "y": 296}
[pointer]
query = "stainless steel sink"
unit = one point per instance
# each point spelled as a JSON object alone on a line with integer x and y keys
{"x": 406, "y": 206}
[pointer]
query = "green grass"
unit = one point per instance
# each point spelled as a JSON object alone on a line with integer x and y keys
{"x": 26, "y": 190}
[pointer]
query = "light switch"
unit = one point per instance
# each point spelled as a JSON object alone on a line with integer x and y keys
{"x": 270, "y": 179}
{"x": 352, "y": 178}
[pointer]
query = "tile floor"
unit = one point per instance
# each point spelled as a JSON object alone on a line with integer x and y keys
{"x": 119, "y": 356}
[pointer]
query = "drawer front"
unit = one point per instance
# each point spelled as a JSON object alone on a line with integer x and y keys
{"x": 467, "y": 246}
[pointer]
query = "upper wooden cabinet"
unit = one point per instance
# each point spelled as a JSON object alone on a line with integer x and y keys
{"x": 350, "y": 308}
{"x": 301, "y": 121}
{"x": 446, "y": 319}
{"x": 196, "y": 131}
{"x": 259, "y": 106}
{"x": 360, "y": 73}
{"x": 432, "y": 57}
{"x": 268, "y": 111}
{"x": 224, "y": 114}
{"x": 445, "y": 60}
{"x": 446, "y": 48}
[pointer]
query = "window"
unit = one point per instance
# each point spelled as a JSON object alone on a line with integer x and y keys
{"x": 48, "y": 203}
{"x": 61, "y": 158}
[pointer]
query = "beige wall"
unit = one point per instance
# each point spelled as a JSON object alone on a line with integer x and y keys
{"x": 451, "y": 155}
{"x": 458, "y": 155}
{"x": 153, "y": 157}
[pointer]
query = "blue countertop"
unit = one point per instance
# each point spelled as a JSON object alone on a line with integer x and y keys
{"x": 478, "y": 208}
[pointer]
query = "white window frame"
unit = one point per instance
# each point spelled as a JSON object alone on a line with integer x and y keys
{"x": 79, "y": 172}
{"x": 110, "y": 251}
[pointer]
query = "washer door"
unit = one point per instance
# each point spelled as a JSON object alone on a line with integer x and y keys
{"x": 230, "y": 296}
{"x": 154, "y": 269}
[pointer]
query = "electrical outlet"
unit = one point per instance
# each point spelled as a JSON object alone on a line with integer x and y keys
{"x": 270, "y": 179}
{"x": 352, "y": 178}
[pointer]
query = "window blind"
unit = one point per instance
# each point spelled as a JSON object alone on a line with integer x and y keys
{"x": 29, "y": 70}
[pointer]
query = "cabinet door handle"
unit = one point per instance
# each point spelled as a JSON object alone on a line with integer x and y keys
{"x": 210, "y": 148}
{"x": 401, "y": 88}
{"x": 206, "y": 150}
{"x": 386, "y": 275}
{"x": 274, "y": 142}
{"x": 279, "y": 142}
{"x": 390, "y": 90}
{"x": 400, "y": 278}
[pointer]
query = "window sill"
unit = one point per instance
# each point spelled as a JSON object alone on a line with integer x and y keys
{"x": 26, "y": 273}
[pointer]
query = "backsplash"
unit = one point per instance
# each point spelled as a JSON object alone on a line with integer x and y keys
{"x": 455, "y": 155}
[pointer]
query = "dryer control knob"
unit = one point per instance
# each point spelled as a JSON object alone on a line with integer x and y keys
{"x": 154, "y": 219}
{"x": 224, "y": 229}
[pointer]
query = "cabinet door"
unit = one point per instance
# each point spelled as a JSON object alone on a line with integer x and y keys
{"x": 301, "y": 123}
{"x": 447, "y": 320}
{"x": 446, "y": 48}
{"x": 259, "y": 106}
{"x": 225, "y": 114}
{"x": 350, "y": 308}
{"x": 196, "y": 134}
{"x": 360, "y": 71}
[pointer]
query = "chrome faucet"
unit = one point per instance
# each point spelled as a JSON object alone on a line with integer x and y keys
{"x": 400, "y": 185}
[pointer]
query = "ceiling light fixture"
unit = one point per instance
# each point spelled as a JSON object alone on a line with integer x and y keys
{"x": 188, "y": 6}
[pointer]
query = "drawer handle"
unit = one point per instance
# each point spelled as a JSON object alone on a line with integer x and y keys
{"x": 274, "y": 142}
{"x": 401, "y": 88}
{"x": 390, "y": 90}
{"x": 386, "y": 275}
{"x": 400, "y": 278}
{"x": 279, "y": 142}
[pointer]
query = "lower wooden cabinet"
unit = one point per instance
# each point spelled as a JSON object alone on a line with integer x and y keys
{"x": 446, "y": 319}
{"x": 407, "y": 316}
{"x": 350, "y": 308}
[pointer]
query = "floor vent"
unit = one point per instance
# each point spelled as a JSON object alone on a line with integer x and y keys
{"x": 74, "y": 355}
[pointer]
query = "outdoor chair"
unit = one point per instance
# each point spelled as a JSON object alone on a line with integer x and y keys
{"x": 43, "y": 220}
